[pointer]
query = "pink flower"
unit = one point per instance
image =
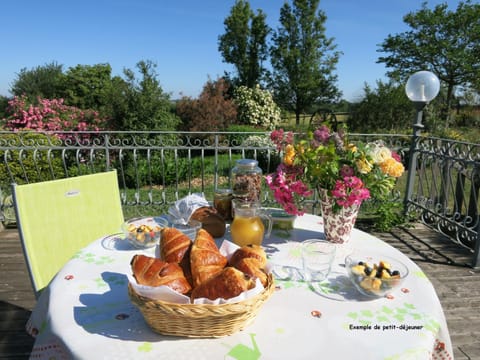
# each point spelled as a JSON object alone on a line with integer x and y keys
{"x": 350, "y": 191}
{"x": 287, "y": 188}
{"x": 322, "y": 134}
{"x": 347, "y": 171}
{"x": 396, "y": 156}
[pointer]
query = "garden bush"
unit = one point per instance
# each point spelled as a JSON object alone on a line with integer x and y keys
{"x": 30, "y": 166}
{"x": 256, "y": 107}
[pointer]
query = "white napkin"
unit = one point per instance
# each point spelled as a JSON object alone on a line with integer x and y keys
{"x": 182, "y": 209}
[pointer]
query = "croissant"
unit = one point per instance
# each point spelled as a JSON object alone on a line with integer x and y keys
{"x": 227, "y": 284}
{"x": 250, "y": 251}
{"x": 252, "y": 267}
{"x": 174, "y": 245}
{"x": 206, "y": 260}
{"x": 155, "y": 272}
{"x": 211, "y": 220}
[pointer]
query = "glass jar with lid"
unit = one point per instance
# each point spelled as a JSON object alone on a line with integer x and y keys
{"x": 222, "y": 202}
{"x": 247, "y": 180}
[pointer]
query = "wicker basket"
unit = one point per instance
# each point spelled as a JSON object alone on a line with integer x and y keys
{"x": 191, "y": 320}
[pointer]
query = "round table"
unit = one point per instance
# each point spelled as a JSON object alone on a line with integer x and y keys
{"x": 85, "y": 313}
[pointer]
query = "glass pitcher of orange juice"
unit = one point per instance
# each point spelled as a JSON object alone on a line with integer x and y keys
{"x": 249, "y": 222}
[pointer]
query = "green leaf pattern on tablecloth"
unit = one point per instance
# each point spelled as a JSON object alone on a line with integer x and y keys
{"x": 94, "y": 259}
{"x": 244, "y": 351}
{"x": 117, "y": 280}
{"x": 391, "y": 315}
{"x": 145, "y": 347}
{"x": 420, "y": 274}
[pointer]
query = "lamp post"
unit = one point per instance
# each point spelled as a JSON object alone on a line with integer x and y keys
{"x": 421, "y": 88}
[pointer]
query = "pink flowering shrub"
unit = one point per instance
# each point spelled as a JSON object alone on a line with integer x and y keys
{"x": 50, "y": 115}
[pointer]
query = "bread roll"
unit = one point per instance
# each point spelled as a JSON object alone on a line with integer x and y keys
{"x": 155, "y": 272}
{"x": 227, "y": 284}
{"x": 251, "y": 259}
{"x": 252, "y": 267}
{"x": 249, "y": 251}
{"x": 211, "y": 220}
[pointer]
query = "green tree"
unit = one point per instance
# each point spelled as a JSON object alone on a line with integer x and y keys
{"x": 86, "y": 87}
{"x": 303, "y": 58}
{"x": 442, "y": 41}
{"x": 384, "y": 108}
{"x": 3, "y": 108}
{"x": 244, "y": 43}
{"x": 116, "y": 107}
{"x": 41, "y": 82}
{"x": 148, "y": 107}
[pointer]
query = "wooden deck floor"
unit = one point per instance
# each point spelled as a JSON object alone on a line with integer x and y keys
{"x": 457, "y": 286}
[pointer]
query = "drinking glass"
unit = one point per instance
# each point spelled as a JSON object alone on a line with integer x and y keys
{"x": 317, "y": 258}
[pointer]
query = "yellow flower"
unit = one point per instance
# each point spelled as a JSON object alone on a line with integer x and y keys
{"x": 392, "y": 167}
{"x": 352, "y": 148}
{"x": 364, "y": 166}
{"x": 290, "y": 149}
{"x": 289, "y": 155}
{"x": 288, "y": 160}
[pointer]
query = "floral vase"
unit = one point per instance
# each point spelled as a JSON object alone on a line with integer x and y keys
{"x": 338, "y": 225}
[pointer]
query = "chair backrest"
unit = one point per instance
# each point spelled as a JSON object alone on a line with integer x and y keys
{"x": 57, "y": 218}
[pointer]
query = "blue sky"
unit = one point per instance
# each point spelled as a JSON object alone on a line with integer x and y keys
{"x": 181, "y": 37}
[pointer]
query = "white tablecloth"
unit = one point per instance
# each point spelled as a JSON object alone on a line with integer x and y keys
{"x": 86, "y": 313}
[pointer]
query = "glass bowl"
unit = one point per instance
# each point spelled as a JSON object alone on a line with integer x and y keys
{"x": 144, "y": 232}
{"x": 374, "y": 274}
{"x": 282, "y": 220}
{"x": 190, "y": 229}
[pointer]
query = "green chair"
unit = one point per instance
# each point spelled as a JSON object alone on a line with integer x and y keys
{"x": 57, "y": 218}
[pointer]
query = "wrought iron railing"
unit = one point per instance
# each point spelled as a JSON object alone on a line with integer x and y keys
{"x": 157, "y": 168}
{"x": 445, "y": 193}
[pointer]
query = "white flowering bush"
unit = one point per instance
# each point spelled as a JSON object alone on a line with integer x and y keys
{"x": 267, "y": 156}
{"x": 256, "y": 107}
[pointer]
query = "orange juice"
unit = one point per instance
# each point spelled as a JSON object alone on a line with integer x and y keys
{"x": 247, "y": 230}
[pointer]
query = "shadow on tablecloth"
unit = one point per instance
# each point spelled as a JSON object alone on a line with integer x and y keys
{"x": 112, "y": 314}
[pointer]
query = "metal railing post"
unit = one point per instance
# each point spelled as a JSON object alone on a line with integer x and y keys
{"x": 107, "y": 152}
{"x": 476, "y": 253}
{"x": 413, "y": 154}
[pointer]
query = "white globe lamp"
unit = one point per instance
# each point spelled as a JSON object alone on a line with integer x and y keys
{"x": 422, "y": 87}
